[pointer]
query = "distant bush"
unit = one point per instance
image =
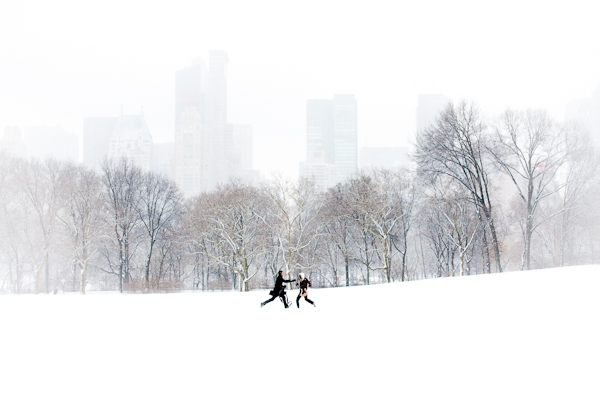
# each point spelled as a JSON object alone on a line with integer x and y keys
{"x": 153, "y": 286}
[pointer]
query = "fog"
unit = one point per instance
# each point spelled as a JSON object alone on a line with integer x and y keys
{"x": 66, "y": 60}
{"x": 486, "y": 194}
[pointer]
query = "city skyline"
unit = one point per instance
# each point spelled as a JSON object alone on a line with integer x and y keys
{"x": 61, "y": 64}
{"x": 331, "y": 139}
{"x": 202, "y": 154}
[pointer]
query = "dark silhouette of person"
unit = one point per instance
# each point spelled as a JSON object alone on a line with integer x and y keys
{"x": 304, "y": 284}
{"x": 279, "y": 290}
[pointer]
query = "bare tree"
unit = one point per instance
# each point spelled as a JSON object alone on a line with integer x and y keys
{"x": 530, "y": 149}
{"x": 84, "y": 208}
{"x": 568, "y": 237}
{"x": 376, "y": 208}
{"x": 41, "y": 183}
{"x": 359, "y": 196}
{"x": 230, "y": 229}
{"x": 122, "y": 179}
{"x": 12, "y": 241}
{"x": 456, "y": 146}
{"x": 580, "y": 179}
{"x": 461, "y": 227}
{"x": 293, "y": 217}
{"x": 404, "y": 195}
{"x": 438, "y": 236}
{"x": 158, "y": 207}
{"x": 338, "y": 224}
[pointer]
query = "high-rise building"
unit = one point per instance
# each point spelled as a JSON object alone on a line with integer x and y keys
{"x": 331, "y": 136}
{"x": 345, "y": 136}
{"x": 318, "y": 169}
{"x": 241, "y": 163}
{"x": 203, "y": 140}
{"x": 429, "y": 108}
{"x": 131, "y": 139}
{"x": 191, "y": 89}
{"x": 319, "y": 129}
{"x": 96, "y": 138}
{"x": 586, "y": 111}
{"x": 241, "y": 136}
{"x": 192, "y": 151}
{"x": 219, "y": 137}
{"x": 12, "y": 142}
{"x": 163, "y": 159}
{"x": 113, "y": 137}
{"x": 191, "y": 168}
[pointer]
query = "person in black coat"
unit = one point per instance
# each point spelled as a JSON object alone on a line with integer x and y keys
{"x": 279, "y": 290}
{"x": 304, "y": 284}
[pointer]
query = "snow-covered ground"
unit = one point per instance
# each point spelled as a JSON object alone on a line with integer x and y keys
{"x": 519, "y": 335}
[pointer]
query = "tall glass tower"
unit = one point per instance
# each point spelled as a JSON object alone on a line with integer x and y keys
{"x": 331, "y": 134}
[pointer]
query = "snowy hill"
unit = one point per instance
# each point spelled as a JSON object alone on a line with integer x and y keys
{"x": 520, "y": 335}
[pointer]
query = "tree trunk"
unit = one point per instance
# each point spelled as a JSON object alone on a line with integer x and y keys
{"x": 47, "y": 271}
{"x": 74, "y": 283}
{"x": 126, "y": 278}
{"x": 347, "y": 271}
{"x": 83, "y": 278}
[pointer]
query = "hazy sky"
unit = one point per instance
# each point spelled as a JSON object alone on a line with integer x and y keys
{"x": 61, "y": 61}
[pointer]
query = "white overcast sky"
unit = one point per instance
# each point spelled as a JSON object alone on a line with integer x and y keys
{"x": 61, "y": 61}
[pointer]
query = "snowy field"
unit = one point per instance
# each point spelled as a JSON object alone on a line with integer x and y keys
{"x": 519, "y": 335}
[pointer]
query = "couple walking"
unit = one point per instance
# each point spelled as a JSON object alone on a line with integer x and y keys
{"x": 279, "y": 290}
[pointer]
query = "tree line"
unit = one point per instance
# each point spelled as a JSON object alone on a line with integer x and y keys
{"x": 513, "y": 192}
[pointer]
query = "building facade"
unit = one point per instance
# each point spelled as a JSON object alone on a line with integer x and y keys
{"x": 345, "y": 136}
{"x": 331, "y": 138}
{"x": 162, "y": 159}
{"x": 96, "y": 138}
{"x": 12, "y": 142}
{"x": 131, "y": 139}
{"x": 191, "y": 169}
{"x": 316, "y": 167}
{"x": 205, "y": 153}
{"x": 241, "y": 160}
{"x": 319, "y": 129}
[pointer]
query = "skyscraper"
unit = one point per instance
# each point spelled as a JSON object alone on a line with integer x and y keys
{"x": 191, "y": 89}
{"x": 191, "y": 169}
{"x": 192, "y": 153}
{"x": 113, "y": 137}
{"x": 162, "y": 159}
{"x": 319, "y": 129}
{"x": 316, "y": 168}
{"x": 241, "y": 136}
{"x": 241, "y": 160}
{"x": 331, "y": 138}
{"x": 203, "y": 142}
{"x": 217, "y": 117}
{"x": 12, "y": 142}
{"x": 131, "y": 139}
{"x": 96, "y": 138}
{"x": 345, "y": 136}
